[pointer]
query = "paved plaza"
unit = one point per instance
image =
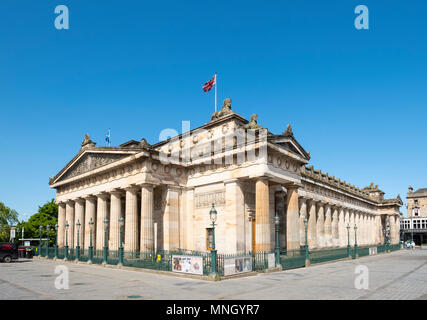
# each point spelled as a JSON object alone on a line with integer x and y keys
{"x": 397, "y": 275}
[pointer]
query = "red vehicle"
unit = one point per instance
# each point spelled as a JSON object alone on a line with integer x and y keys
{"x": 8, "y": 251}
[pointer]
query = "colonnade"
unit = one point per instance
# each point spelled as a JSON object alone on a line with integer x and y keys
{"x": 328, "y": 225}
{"x": 107, "y": 207}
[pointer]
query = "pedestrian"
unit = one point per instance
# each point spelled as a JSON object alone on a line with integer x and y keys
{"x": 413, "y": 244}
{"x": 408, "y": 246}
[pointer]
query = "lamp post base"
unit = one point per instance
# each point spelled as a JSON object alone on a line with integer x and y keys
{"x": 214, "y": 277}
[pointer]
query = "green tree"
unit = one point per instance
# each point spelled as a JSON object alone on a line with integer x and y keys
{"x": 8, "y": 217}
{"x": 47, "y": 215}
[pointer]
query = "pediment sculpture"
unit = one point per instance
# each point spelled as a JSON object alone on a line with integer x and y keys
{"x": 87, "y": 142}
{"x": 288, "y": 131}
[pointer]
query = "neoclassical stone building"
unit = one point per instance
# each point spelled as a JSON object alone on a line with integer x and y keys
{"x": 164, "y": 193}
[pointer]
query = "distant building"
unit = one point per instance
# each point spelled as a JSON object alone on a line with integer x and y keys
{"x": 415, "y": 226}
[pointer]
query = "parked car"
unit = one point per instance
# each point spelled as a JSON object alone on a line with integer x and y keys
{"x": 8, "y": 251}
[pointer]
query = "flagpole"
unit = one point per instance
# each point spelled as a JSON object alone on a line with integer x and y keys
{"x": 216, "y": 84}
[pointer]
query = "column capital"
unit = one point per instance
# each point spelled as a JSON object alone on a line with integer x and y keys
{"x": 79, "y": 200}
{"x": 262, "y": 178}
{"x": 102, "y": 195}
{"x": 174, "y": 187}
{"x": 131, "y": 188}
{"x": 89, "y": 197}
{"x": 292, "y": 186}
{"x": 235, "y": 180}
{"x": 69, "y": 202}
{"x": 115, "y": 191}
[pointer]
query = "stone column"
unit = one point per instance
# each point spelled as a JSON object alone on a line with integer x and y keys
{"x": 101, "y": 215}
{"x": 90, "y": 213}
{"x": 292, "y": 219}
{"x": 397, "y": 223}
{"x": 342, "y": 231}
{"x": 61, "y": 224}
{"x": 262, "y": 214}
{"x": 190, "y": 223}
{"x": 352, "y": 223}
{"x": 170, "y": 219}
{"x": 335, "y": 232}
{"x": 370, "y": 229}
{"x": 312, "y": 221}
{"x": 79, "y": 217}
{"x": 346, "y": 224}
{"x": 365, "y": 228}
{"x": 377, "y": 229}
{"x": 392, "y": 229}
{"x": 320, "y": 226}
{"x": 328, "y": 226}
{"x": 302, "y": 216}
{"x": 147, "y": 222}
{"x": 234, "y": 217}
{"x": 131, "y": 220}
{"x": 358, "y": 221}
{"x": 115, "y": 214}
{"x": 69, "y": 217}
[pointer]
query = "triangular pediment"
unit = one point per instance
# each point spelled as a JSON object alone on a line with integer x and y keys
{"x": 87, "y": 161}
{"x": 290, "y": 144}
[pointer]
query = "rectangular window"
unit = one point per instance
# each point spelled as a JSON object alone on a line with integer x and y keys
{"x": 209, "y": 238}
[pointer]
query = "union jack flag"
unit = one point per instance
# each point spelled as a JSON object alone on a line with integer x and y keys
{"x": 208, "y": 85}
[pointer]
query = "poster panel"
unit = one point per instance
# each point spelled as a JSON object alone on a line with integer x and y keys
{"x": 187, "y": 264}
{"x": 237, "y": 265}
{"x": 372, "y": 251}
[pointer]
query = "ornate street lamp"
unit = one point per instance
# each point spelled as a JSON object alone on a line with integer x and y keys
{"x": 47, "y": 241}
{"x": 214, "y": 274}
{"x": 40, "y": 242}
{"x": 78, "y": 225}
{"x": 348, "y": 241}
{"x": 121, "y": 225}
{"x": 90, "y": 253}
{"x": 56, "y": 243}
{"x": 276, "y": 229}
{"x": 66, "y": 240}
{"x": 307, "y": 259}
{"x": 105, "y": 241}
{"x": 356, "y": 253}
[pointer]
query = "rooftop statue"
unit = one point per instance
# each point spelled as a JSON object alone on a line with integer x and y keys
{"x": 226, "y": 109}
{"x": 253, "y": 123}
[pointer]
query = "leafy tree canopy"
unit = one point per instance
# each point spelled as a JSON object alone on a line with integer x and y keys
{"x": 8, "y": 217}
{"x": 46, "y": 217}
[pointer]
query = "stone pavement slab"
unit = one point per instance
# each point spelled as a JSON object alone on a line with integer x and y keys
{"x": 397, "y": 275}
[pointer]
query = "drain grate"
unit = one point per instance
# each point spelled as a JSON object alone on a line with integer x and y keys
{"x": 46, "y": 275}
{"x": 134, "y": 297}
{"x": 79, "y": 284}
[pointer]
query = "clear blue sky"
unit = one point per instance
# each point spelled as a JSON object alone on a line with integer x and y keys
{"x": 355, "y": 99}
